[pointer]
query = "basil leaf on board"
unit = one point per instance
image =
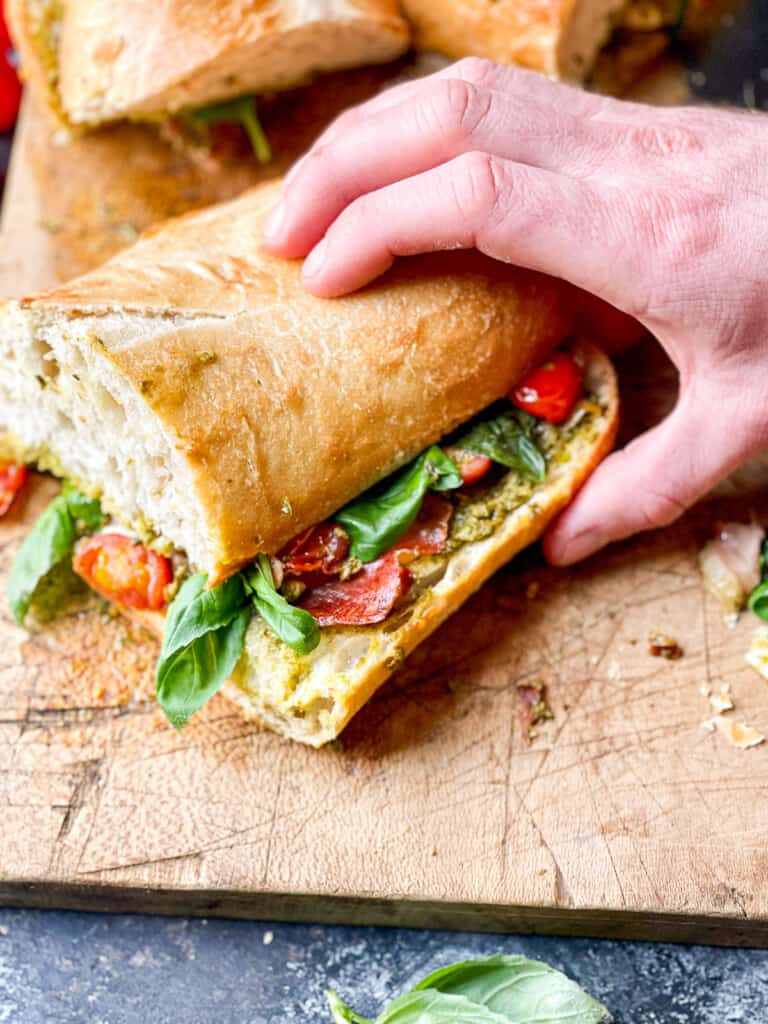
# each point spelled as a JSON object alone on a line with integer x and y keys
{"x": 189, "y": 676}
{"x": 381, "y": 517}
{"x": 293, "y": 625}
{"x": 343, "y": 1014}
{"x": 85, "y": 511}
{"x": 507, "y": 440}
{"x": 758, "y": 599}
{"x": 521, "y": 991}
{"x": 196, "y": 611}
{"x": 432, "y": 1007}
{"x": 50, "y": 541}
{"x": 242, "y": 111}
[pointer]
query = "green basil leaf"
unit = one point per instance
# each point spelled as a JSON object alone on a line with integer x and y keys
{"x": 242, "y": 111}
{"x": 343, "y": 1014}
{"x": 50, "y": 541}
{"x": 507, "y": 440}
{"x": 196, "y": 611}
{"x": 758, "y": 600}
{"x": 86, "y": 512}
{"x": 189, "y": 676}
{"x": 519, "y": 990}
{"x": 293, "y": 625}
{"x": 377, "y": 520}
{"x": 431, "y": 1007}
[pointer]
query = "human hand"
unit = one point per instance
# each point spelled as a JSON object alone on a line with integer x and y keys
{"x": 662, "y": 212}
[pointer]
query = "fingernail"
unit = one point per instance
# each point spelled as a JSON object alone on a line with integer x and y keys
{"x": 295, "y": 169}
{"x": 275, "y": 222}
{"x": 314, "y": 262}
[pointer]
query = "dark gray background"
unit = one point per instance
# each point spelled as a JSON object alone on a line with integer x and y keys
{"x": 58, "y": 967}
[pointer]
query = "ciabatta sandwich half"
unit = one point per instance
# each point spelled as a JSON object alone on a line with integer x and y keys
{"x": 295, "y": 491}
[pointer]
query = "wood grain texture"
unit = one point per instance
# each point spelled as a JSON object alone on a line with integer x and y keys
{"x": 623, "y": 817}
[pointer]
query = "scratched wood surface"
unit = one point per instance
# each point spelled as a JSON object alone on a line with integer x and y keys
{"x": 623, "y": 817}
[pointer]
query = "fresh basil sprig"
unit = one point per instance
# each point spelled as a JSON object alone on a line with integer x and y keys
{"x": 380, "y": 518}
{"x": 202, "y": 642}
{"x": 48, "y": 544}
{"x": 242, "y": 111}
{"x": 758, "y": 599}
{"x": 205, "y": 633}
{"x": 492, "y": 990}
{"x": 293, "y": 625}
{"x": 508, "y": 440}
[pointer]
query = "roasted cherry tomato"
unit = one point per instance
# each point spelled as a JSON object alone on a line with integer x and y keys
{"x": 10, "y": 86}
{"x": 12, "y": 477}
{"x": 123, "y": 571}
{"x": 472, "y": 467}
{"x": 322, "y": 548}
{"x": 551, "y": 391}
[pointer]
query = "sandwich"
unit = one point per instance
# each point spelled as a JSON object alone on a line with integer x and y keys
{"x": 608, "y": 45}
{"x": 293, "y": 491}
{"x": 200, "y": 62}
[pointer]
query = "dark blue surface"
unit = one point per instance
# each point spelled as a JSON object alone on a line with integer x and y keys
{"x": 66, "y": 968}
{"x": 61, "y": 968}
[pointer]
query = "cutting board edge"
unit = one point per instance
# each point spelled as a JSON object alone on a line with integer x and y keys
{"x": 647, "y": 926}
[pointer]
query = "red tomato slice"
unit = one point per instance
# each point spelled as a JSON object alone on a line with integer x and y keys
{"x": 10, "y": 86}
{"x": 123, "y": 571}
{"x": 472, "y": 467}
{"x": 551, "y": 391}
{"x": 12, "y": 477}
{"x": 321, "y": 548}
{"x": 367, "y": 597}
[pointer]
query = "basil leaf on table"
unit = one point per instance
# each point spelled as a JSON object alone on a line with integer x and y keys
{"x": 491, "y": 990}
{"x": 48, "y": 544}
{"x": 522, "y": 991}
{"x": 293, "y": 625}
{"x": 507, "y": 440}
{"x": 202, "y": 642}
{"x": 432, "y": 1007}
{"x": 381, "y": 517}
{"x": 242, "y": 111}
{"x": 343, "y": 1014}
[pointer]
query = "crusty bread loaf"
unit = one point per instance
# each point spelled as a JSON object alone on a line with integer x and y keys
{"x": 310, "y": 699}
{"x": 98, "y": 62}
{"x": 565, "y": 39}
{"x": 212, "y": 402}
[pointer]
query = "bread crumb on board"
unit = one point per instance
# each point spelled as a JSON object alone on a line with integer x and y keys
{"x": 738, "y": 734}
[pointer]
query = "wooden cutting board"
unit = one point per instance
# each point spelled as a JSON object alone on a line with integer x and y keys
{"x": 623, "y": 817}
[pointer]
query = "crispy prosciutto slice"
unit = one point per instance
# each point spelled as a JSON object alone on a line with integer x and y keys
{"x": 322, "y": 548}
{"x": 366, "y": 598}
{"x": 371, "y": 594}
{"x": 429, "y": 532}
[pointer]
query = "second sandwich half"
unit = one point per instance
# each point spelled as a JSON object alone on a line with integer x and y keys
{"x": 295, "y": 491}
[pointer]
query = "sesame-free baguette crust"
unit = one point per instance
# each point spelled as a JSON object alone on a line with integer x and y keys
{"x": 280, "y": 406}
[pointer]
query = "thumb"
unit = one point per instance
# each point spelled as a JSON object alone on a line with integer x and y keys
{"x": 653, "y": 480}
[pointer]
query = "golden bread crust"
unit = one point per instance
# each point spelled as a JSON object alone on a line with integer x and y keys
{"x": 284, "y": 406}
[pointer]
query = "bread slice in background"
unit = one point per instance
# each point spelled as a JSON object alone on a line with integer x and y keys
{"x": 99, "y": 62}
